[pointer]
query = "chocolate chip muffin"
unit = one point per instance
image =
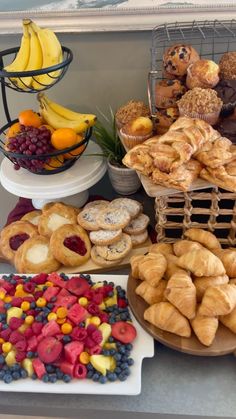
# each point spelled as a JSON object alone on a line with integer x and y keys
{"x": 177, "y": 58}
{"x": 167, "y": 92}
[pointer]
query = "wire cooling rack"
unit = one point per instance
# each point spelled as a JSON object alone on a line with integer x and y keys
{"x": 210, "y": 38}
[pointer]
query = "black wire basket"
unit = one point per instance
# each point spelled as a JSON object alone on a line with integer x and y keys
{"x": 11, "y": 79}
{"x": 36, "y": 163}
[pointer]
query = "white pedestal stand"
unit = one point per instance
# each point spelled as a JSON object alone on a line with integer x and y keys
{"x": 71, "y": 185}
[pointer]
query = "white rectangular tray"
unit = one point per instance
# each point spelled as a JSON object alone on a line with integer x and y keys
{"x": 143, "y": 347}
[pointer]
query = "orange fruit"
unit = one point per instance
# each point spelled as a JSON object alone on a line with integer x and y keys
{"x": 30, "y": 118}
{"x": 63, "y": 137}
{"x": 49, "y": 127}
{"x": 13, "y": 130}
{"x": 54, "y": 163}
{"x": 77, "y": 151}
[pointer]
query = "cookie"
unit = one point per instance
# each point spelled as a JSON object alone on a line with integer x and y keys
{"x": 14, "y": 235}
{"x": 133, "y": 207}
{"x": 113, "y": 219}
{"x": 101, "y": 261}
{"x": 54, "y": 217}
{"x": 139, "y": 238}
{"x": 104, "y": 237}
{"x": 99, "y": 203}
{"x": 32, "y": 217}
{"x": 116, "y": 250}
{"x": 87, "y": 218}
{"x": 138, "y": 225}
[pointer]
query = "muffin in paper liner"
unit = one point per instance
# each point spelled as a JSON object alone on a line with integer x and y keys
{"x": 130, "y": 141}
{"x": 210, "y": 117}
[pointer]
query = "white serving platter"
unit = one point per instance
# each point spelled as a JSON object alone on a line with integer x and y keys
{"x": 143, "y": 347}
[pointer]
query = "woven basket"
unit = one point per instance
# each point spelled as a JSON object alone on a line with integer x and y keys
{"x": 212, "y": 209}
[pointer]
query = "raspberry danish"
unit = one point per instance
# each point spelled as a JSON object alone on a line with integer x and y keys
{"x": 14, "y": 235}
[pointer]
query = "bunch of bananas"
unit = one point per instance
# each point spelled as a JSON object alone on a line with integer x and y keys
{"x": 58, "y": 116}
{"x": 39, "y": 49}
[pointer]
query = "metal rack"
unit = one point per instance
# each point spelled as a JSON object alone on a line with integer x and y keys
{"x": 210, "y": 38}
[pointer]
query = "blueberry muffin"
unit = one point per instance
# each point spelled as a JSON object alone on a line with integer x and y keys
{"x": 167, "y": 92}
{"x": 177, "y": 58}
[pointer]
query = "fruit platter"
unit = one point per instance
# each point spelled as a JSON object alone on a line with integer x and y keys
{"x": 69, "y": 334}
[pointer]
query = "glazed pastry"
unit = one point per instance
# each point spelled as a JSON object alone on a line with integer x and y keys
{"x": 138, "y": 158}
{"x": 215, "y": 154}
{"x": 177, "y": 59}
{"x": 227, "y": 66}
{"x": 229, "y": 320}
{"x": 137, "y": 225}
{"x": 152, "y": 270}
{"x": 218, "y": 300}
{"x": 204, "y": 237}
{"x": 204, "y": 282}
{"x": 164, "y": 118}
{"x": 98, "y": 203}
{"x": 181, "y": 292}
{"x": 167, "y": 92}
{"x": 101, "y": 261}
{"x": 54, "y": 217}
{"x": 133, "y": 207}
{"x": 150, "y": 294}
{"x": 32, "y": 217}
{"x": 205, "y": 328}
{"x": 220, "y": 177}
{"x": 136, "y": 131}
{"x": 163, "y": 248}
{"x": 183, "y": 246}
{"x": 202, "y": 73}
{"x": 164, "y": 155}
{"x": 228, "y": 258}
{"x": 35, "y": 256}
{"x": 116, "y": 250}
{"x": 202, "y": 262}
{"x": 105, "y": 237}
{"x": 70, "y": 245}
{"x": 166, "y": 317}
{"x": 87, "y": 218}
{"x": 14, "y": 235}
{"x": 138, "y": 239}
{"x": 134, "y": 263}
{"x": 112, "y": 219}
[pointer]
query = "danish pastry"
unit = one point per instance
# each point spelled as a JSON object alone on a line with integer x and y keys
{"x": 14, "y": 235}
{"x": 104, "y": 237}
{"x": 113, "y": 219}
{"x": 101, "y": 261}
{"x": 87, "y": 218}
{"x": 56, "y": 216}
{"x": 70, "y": 245}
{"x": 35, "y": 256}
{"x": 138, "y": 225}
{"x": 133, "y": 207}
{"x": 116, "y": 250}
{"x": 32, "y": 217}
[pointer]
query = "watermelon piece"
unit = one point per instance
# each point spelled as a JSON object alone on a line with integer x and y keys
{"x": 64, "y": 293}
{"x": 50, "y": 293}
{"x": 40, "y": 278}
{"x": 56, "y": 280}
{"x": 51, "y": 328}
{"x": 49, "y": 349}
{"x": 72, "y": 351}
{"x": 66, "y": 301}
{"x": 67, "y": 368}
{"x": 77, "y": 285}
{"x": 32, "y": 344}
{"x": 40, "y": 337}
{"x": 37, "y": 327}
{"x": 77, "y": 313}
{"x": 39, "y": 367}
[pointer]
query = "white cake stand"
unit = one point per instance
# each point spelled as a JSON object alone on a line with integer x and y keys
{"x": 71, "y": 185}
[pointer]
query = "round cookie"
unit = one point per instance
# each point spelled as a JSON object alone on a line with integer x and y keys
{"x": 99, "y": 203}
{"x": 139, "y": 238}
{"x": 70, "y": 245}
{"x": 35, "y": 256}
{"x": 138, "y": 225}
{"x": 32, "y": 217}
{"x": 178, "y": 57}
{"x": 56, "y": 216}
{"x": 104, "y": 237}
{"x": 133, "y": 207}
{"x": 101, "y": 261}
{"x": 87, "y": 218}
{"x": 14, "y": 235}
{"x": 113, "y": 219}
{"x": 116, "y": 250}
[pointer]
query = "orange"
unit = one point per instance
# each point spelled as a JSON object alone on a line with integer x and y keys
{"x": 30, "y": 118}
{"x": 63, "y": 137}
{"x": 13, "y": 130}
{"x": 54, "y": 163}
{"x": 77, "y": 151}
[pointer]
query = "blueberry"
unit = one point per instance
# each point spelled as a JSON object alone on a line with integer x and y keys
{"x": 7, "y": 306}
{"x": 110, "y": 339}
{"x": 66, "y": 339}
{"x": 129, "y": 346}
{"x": 112, "y": 351}
{"x": 117, "y": 370}
{"x": 59, "y": 374}
{"x": 89, "y": 367}
{"x": 32, "y": 305}
{"x": 124, "y": 365}
{"x": 111, "y": 284}
{"x": 30, "y": 354}
{"x": 45, "y": 378}
{"x": 53, "y": 299}
{"x": 23, "y": 316}
{"x": 23, "y": 373}
{"x": 5, "y": 368}
{"x": 2, "y": 373}
{"x": 2, "y": 359}
{"x": 117, "y": 356}
{"x": 122, "y": 377}
{"x": 7, "y": 378}
{"x": 102, "y": 379}
{"x": 82, "y": 324}
{"x": 53, "y": 378}
{"x": 126, "y": 371}
{"x": 15, "y": 367}
{"x": 12, "y": 281}
{"x": 89, "y": 374}
{"x": 118, "y": 288}
{"x": 123, "y": 316}
{"x": 122, "y": 349}
{"x": 112, "y": 376}
{"x": 130, "y": 361}
{"x": 50, "y": 368}
{"x": 39, "y": 319}
{"x": 106, "y": 352}
{"x": 16, "y": 375}
{"x": 64, "y": 276}
{"x": 4, "y": 326}
{"x": 66, "y": 378}
{"x": 95, "y": 376}
{"x": 110, "y": 294}
{"x": 34, "y": 376}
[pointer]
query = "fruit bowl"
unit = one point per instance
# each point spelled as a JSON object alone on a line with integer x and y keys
{"x": 55, "y": 72}
{"x": 51, "y": 162}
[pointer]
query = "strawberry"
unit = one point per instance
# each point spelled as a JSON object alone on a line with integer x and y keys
{"x": 77, "y": 285}
{"x": 49, "y": 349}
{"x": 123, "y": 331}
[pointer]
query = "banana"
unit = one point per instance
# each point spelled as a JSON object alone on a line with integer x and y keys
{"x": 57, "y": 121}
{"x": 52, "y": 55}
{"x": 67, "y": 113}
{"x": 22, "y": 57}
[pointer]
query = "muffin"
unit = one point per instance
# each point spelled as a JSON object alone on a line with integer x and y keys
{"x": 202, "y": 73}
{"x": 177, "y": 58}
{"x": 226, "y": 90}
{"x": 164, "y": 119}
{"x": 167, "y": 92}
{"x": 201, "y": 103}
{"x": 133, "y": 109}
{"x": 227, "y": 66}
{"x": 136, "y": 132}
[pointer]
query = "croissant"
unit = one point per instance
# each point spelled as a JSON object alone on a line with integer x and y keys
{"x": 163, "y": 248}
{"x": 183, "y": 246}
{"x": 172, "y": 266}
{"x": 205, "y": 328}
{"x": 181, "y": 292}
{"x": 218, "y": 300}
{"x": 150, "y": 294}
{"x": 204, "y": 237}
{"x": 152, "y": 270}
{"x": 202, "y": 262}
{"x": 228, "y": 258}
{"x": 165, "y": 316}
{"x": 134, "y": 262}
{"x": 229, "y": 320}
{"x": 204, "y": 282}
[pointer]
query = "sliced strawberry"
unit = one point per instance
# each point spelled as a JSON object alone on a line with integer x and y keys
{"x": 39, "y": 367}
{"x": 77, "y": 313}
{"x": 49, "y": 349}
{"x": 123, "y": 331}
{"x": 73, "y": 350}
{"x": 51, "y": 328}
{"x": 80, "y": 371}
{"x": 77, "y": 285}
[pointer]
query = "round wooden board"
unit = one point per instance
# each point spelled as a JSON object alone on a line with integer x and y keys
{"x": 224, "y": 342}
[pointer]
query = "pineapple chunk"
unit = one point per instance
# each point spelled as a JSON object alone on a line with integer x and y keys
{"x": 111, "y": 301}
{"x": 105, "y": 329}
{"x": 14, "y": 312}
{"x": 28, "y": 366}
{"x": 101, "y": 363}
{"x": 97, "y": 285}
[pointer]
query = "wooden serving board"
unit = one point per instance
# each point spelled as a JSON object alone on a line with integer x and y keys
{"x": 224, "y": 342}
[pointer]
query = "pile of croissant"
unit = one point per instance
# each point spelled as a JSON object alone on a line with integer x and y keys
{"x": 191, "y": 148}
{"x": 190, "y": 285}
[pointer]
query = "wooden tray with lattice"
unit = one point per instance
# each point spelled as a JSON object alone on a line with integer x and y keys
{"x": 212, "y": 209}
